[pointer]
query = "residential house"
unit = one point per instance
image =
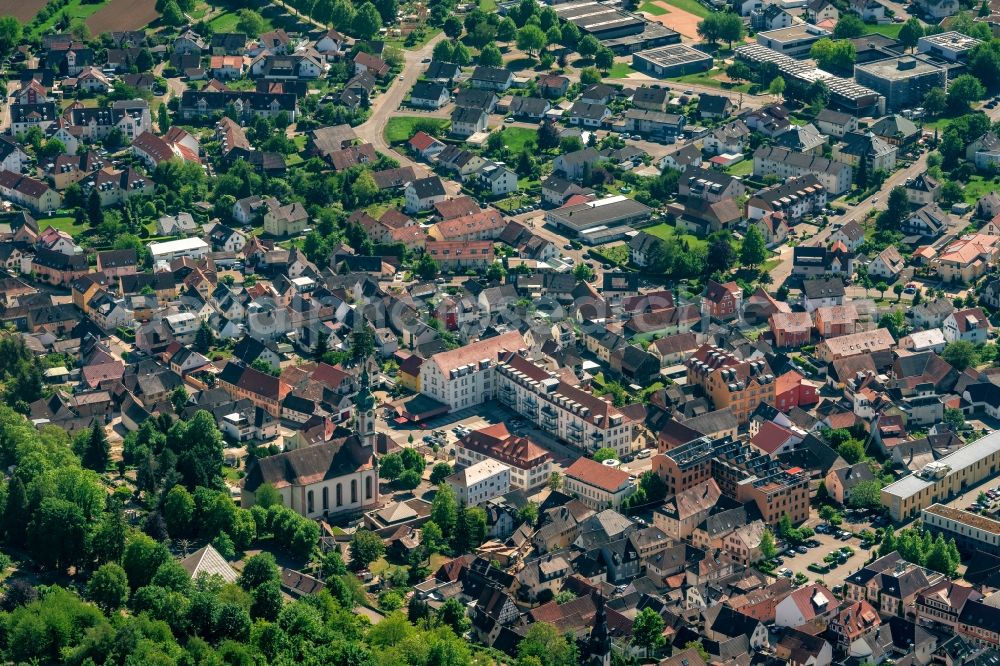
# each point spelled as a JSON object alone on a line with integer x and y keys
{"x": 970, "y": 325}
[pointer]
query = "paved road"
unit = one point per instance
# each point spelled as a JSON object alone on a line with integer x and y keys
{"x": 388, "y": 102}
{"x": 856, "y": 212}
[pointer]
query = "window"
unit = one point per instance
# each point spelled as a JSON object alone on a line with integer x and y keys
{"x": 368, "y": 488}
{"x": 326, "y": 498}
{"x": 340, "y": 495}
{"x": 309, "y": 502}
{"x": 354, "y": 491}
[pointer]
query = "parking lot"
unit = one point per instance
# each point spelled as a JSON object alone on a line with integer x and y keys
{"x": 799, "y": 562}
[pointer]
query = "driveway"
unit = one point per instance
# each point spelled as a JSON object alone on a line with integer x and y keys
{"x": 856, "y": 213}
{"x": 386, "y": 104}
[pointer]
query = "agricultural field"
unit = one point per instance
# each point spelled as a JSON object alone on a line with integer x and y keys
{"x": 22, "y": 10}
{"x": 75, "y": 10}
{"x": 123, "y": 15}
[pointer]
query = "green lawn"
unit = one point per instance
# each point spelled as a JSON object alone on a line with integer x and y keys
{"x": 690, "y": 6}
{"x": 977, "y": 187}
{"x": 401, "y": 128}
{"x": 75, "y": 9}
{"x": 62, "y": 223}
{"x": 744, "y": 168}
{"x": 226, "y": 22}
{"x": 709, "y": 79}
{"x": 516, "y": 138}
{"x": 889, "y": 29}
{"x": 620, "y": 70}
{"x": 488, "y": 6}
{"x": 650, "y": 8}
{"x": 665, "y": 231}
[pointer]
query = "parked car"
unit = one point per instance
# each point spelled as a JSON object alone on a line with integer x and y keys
{"x": 802, "y": 549}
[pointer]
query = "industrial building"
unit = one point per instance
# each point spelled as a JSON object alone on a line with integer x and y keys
{"x": 619, "y": 30}
{"x": 944, "y": 478}
{"x": 903, "y": 81}
{"x": 794, "y": 41}
{"x": 594, "y": 221}
{"x": 845, "y": 94}
{"x": 673, "y": 60}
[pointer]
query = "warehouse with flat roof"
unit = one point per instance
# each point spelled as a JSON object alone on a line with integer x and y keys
{"x": 672, "y": 60}
{"x": 595, "y": 222}
{"x": 621, "y": 31}
{"x": 944, "y": 478}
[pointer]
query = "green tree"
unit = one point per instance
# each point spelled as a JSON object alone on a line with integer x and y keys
{"x": 587, "y": 47}
{"x": 555, "y": 481}
{"x": 954, "y": 417}
{"x": 179, "y": 398}
{"x": 531, "y": 39}
{"x": 964, "y": 90}
{"x": 753, "y": 251}
{"x": 108, "y": 587}
{"x": 834, "y": 55}
{"x": 387, "y": 9}
{"x": 606, "y": 453}
{"x": 852, "y": 451}
{"x": 583, "y": 273}
{"x": 590, "y": 75}
{"x": 249, "y": 22}
{"x": 731, "y": 28}
{"x": 443, "y": 50}
{"x": 490, "y": 57}
{"x": 266, "y": 496}
{"x": 93, "y": 448}
{"x": 935, "y": 102}
{"x": 960, "y": 354}
{"x": 865, "y": 495}
{"x": 204, "y": 338}
{"x": 95, "y": 213}
{"x": 178, "y": 511}
{"x": 364, "y": 188}
{"x": 604, "y": 59}
{"x": 444, "y": 509}
{"x": 910, "y": 33}
{"x": 710, "y": 28}
{"x": 452, "y": 614}
{"x": 545, "y": 645}
{"x": 259, "y": 569}
{"x": 10, "y": 34}
{"x": 440, "y": 472}
{"x": 647, "y": 630}
{"x": 367, "y": 22}
{"x": 849, "y": 26}
{"x": 739, "y": 71}
{"x": 172, "y": 14}
{"x": 570, "y": 34}
{"x": 768, "y": 549}
{"x": 366, "y": 547}
{"x": 777, "y": 87}
{"x": 57, "y": 534}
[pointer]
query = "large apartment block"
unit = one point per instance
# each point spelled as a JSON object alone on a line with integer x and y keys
{"x": 464, "y": 377}
{"x": 561, "y": 409}
{"x": 741, "y": 472}
{"x": 731, "y": 382}
{"x": 835, "y": 176}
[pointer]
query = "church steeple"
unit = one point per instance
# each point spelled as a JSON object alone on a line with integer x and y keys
{"x": 364, "y": 407}
{"x": 599, "y": 645}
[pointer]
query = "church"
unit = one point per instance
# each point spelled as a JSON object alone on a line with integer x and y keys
{"x": 339, "y": 477}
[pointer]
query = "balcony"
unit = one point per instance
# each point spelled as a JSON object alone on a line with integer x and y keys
{"x": 575, "y": 426}
{"x": 574, "y": 436}
{"x": 549, "y": 410}
{"x": 597, "y": 437}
